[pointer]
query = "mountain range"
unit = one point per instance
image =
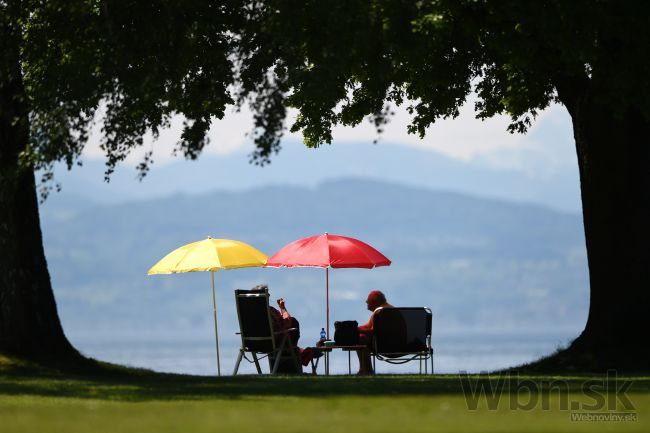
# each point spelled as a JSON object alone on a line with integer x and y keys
{"x": 480, "y": 264}
{"x": 553, "y": 184}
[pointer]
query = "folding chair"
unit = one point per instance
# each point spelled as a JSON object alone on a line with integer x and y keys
{"x": 401, "y": 335}
{"x": 256, "y": 331}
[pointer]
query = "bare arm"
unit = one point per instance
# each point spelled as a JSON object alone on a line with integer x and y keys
{"x": 283, "y": 309}
{"x": 367, "y": 327}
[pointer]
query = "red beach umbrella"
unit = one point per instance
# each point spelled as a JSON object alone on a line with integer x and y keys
{"x": 327, "y": 251}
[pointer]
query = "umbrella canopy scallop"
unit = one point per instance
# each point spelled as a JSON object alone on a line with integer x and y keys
{"x": 328, "y": 251}
{"x": 209, "y": 255}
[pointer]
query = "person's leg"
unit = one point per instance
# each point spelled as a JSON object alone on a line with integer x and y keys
{"x": 365, "y": 363}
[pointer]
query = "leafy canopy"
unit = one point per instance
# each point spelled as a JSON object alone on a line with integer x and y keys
{"x": 342, "y": 61}
{"x": 137, "y": 63}
{"x": 134, "y": 63}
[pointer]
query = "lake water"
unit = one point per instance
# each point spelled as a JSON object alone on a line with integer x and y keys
{"x": 454, "y": 352}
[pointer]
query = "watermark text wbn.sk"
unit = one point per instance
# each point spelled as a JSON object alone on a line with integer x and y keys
{"x": 590, "y": 395}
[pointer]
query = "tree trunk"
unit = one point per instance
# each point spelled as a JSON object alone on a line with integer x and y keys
{"x": 614, "y": 160}
{"x": 29, "y": 324}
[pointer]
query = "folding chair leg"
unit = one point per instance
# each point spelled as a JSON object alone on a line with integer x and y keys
{"x": 293, "y": 352}
{"x": 276, "y": 364}
{"x": 296, "y": 361}
{"x": 257, "y": 363}
{"x": 241, "y": 355}
{"x": 278, "y": 355}
{"x": 314, "y": 366}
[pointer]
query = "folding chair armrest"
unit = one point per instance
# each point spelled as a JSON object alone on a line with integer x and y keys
{"x": 285, "y": 331}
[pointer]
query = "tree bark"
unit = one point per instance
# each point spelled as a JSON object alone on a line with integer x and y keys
{"x": 614, "y": 161}
{"x": 29, "y": 323}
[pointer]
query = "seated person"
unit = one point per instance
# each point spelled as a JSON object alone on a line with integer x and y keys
{"x": 283, "y": 321}
{"x": 375, "y": 300}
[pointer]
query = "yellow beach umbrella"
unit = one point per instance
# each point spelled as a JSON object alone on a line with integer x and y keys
{"x": 210, "y": 255}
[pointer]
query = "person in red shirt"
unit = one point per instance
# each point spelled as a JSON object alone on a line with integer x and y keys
{"x": 375, "y": 300}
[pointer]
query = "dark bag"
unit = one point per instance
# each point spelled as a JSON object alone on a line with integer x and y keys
{"x": 346, "y": 333}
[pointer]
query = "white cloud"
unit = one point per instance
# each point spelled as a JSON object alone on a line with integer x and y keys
{"x": 460, "y": 138}
{"x": 546, "y": 149}
{"x": 464, "y": 138}
{"x": 467, "y": 138}
{"x": 345, "y": 295}
{"x": 226, "y": 136}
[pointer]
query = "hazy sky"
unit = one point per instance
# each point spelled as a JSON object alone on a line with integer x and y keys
{"x": 463, "y": 154}
{"x": 464, "y": 138}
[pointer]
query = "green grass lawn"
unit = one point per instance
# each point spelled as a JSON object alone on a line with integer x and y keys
{"x": 116, "y": 399}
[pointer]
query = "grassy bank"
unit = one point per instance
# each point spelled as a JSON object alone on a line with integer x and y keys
{"x": 115, "y": 399}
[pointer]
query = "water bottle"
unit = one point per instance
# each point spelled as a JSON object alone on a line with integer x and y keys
{"x": 323, "y": 334}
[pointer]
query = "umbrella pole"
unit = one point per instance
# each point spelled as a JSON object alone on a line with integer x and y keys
{"x": 327, "y": 298}
{"x": 216, "y": 333}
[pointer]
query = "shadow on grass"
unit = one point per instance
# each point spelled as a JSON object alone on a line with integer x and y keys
{"x": 97, "y": 380}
